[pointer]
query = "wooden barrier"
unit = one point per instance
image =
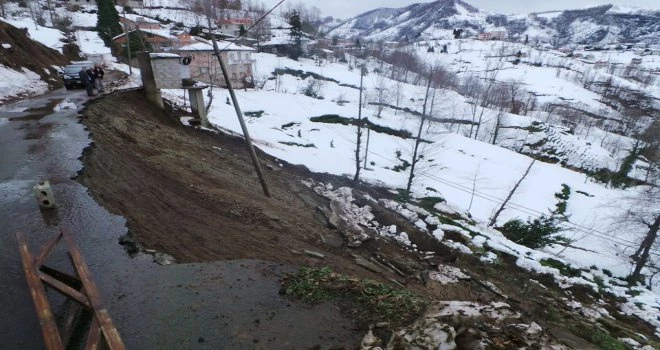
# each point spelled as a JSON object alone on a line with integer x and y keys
{"x": 80, "y": 288}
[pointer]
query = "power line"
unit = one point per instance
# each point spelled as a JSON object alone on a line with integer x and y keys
{"x": 511, "y": 205}
{"x": 252, "y": 26}
{"x": 529, "y": 211}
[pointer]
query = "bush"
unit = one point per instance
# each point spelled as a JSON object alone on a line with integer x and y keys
{"x": 63, "y": 24}
{"x": 312, "y": 88}
{"x": 564, "y": 269}
{"x": 534, "y": 233}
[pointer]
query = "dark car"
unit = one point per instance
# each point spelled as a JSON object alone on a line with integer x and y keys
{"x": 70, "y": 74}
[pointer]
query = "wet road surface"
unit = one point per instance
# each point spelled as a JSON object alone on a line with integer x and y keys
{"x": 220, "y": 305}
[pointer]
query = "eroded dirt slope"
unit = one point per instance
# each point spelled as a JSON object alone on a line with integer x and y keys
{"x": 21, "y": 51}
{"x": 193, "y": 194}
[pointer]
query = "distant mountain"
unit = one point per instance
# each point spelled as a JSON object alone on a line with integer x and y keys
{"x": 597, "y": 25}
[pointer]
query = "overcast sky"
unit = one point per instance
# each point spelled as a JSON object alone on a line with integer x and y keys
{"x": 350, "y": 8}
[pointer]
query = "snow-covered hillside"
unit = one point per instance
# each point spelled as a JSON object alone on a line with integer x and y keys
{"x": 597, "y": 25}
{"x": 279, "y": 119}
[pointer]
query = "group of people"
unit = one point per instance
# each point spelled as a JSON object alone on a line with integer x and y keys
{"x": 92, "y": 78}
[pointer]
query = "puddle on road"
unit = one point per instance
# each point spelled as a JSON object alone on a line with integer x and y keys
{"x": 37, "y": 113}
{"x": 35, "y": 131}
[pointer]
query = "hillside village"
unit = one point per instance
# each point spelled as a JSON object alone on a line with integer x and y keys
{"x": 479, "y": 160}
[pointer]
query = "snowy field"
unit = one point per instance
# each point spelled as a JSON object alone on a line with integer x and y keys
{"x": 450, "y": 165}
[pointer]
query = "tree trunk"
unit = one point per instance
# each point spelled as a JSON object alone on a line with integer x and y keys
{"x": 359, "y": 130}
{"x": 419, "y": 137}
{"x": 498, "y": 124}
{"x": 493, "y": 220}
{"x": 645, "y": 249}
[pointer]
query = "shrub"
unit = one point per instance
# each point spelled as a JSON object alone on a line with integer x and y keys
{"x": 62, "y": 23}
{"x": 312, "y": 88}
{"x": 534, "y": 233}
{"x": 564, "y": 269}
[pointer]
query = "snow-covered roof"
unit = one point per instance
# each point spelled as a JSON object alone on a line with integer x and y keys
{"x": 163, "y": 33}
{"x": 222, "y": 45}
{"x": 138, "y": 18}
{"x": 163, "y": 55}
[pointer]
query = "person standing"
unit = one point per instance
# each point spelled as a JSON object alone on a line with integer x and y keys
{"x": 86, "y": 80}
{"x": 99, "y": 73}
{"x": 92, "y": 77}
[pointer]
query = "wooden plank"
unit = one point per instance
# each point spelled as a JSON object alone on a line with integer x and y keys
{"x": 110, "y": 333}
{"x": 94, "y": 336}
{"x": 69, "y": 280}
{"x": 47, "y": 249}
{"x": 75, "y": 311}
{"x": 49, "y": 330}
{"x": 72, "y": 315}
{"x": 77, "y": 296}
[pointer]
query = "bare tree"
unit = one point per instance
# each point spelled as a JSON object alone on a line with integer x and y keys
{"x": 358, "y": 145}
{"x": 643, "y": 213}
{"x": 383, "y": 95}
{"x": 398, "y": 93}
{"x": 479, "y": 97}
{"x": 493, "y": 220}
{"x": 261, "y": 30}
{"x": 499, "y": 120}
{"x": 418, "y": 139}
{"x": 514, "y": 90}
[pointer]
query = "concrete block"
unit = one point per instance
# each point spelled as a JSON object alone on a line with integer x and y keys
{"x": 44, "y": 194}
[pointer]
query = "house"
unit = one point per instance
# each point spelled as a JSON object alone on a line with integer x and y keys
{"x": 204, "y": 65}
{"x": 131, "y": 22}
{"x": 232, "y": 26}
{"x": 184, "y": 38}
{"x": 281, "y": 42}
{"x": 495, "y": 35}
{"x": 159, "y": 39}
{"x": 636, "y": 61}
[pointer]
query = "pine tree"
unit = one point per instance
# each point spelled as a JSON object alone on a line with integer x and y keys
{"x": 107, "y": 21}
{"x": 296, "y": 35}
{"x": 137, "y": 43}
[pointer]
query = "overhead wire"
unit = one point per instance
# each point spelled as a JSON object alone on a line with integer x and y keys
{"x": 510, "y": 205}
{"x": 526, "y": 210}
{"x": 252, "y": 26}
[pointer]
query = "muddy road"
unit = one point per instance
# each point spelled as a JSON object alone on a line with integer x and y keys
{"x": 232, "y": 302}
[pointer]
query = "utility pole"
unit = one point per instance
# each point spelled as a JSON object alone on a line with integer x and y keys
{"x": 356, "y": 178}
{"x": 128, "y": 44}
{"x": 239, "y": 114}
{"x": 366, "y": 150}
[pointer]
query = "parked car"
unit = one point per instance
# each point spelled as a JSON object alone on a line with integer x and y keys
{"x": 70, "y": 74}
